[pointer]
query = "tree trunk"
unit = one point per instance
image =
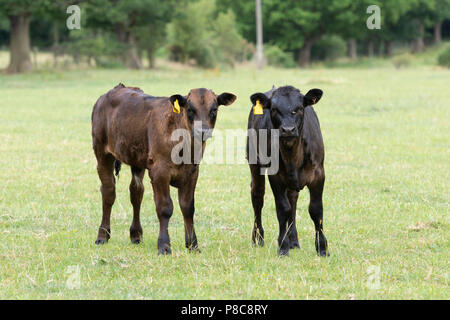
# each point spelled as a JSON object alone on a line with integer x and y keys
{"x": 151, "y": 57}
{"x": 437, "y": 34}
{"x": 379, "y": 48}
{"x": 20, "y": 60}
{"x": 352, "y": 52}
{"x": 34, "y": 55}
{"x": 130, "y": 57}
{"x": 418, "y": 45}
{"x": 259, "y": 36}
{"x": 388, "y": 48}
{"x": 370, "y": 48}
{"x": 55, "y": 45}
{"x": 304, "y": 56}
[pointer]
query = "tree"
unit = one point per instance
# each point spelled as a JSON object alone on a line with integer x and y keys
{"x": 212, "y": 39}
{"x": 419, "y": 18}
{"x": 228, "y": 43}
{"x": 392, "y": 13}
{"x": 245, "y": 12}
{"x": 151, "y": 28}
{"x": 128, "y": 19}
{"x": 4, "y": 30}
{"x": 351, "y": 25}
{"x": 19, "y": 13}
{"x": 52, "y": 26}
{"x": 300, "y": 24}
{"x": 188, "y": 40}
{"x": 440, "y": 13}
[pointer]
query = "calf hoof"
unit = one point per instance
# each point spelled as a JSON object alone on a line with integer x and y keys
{"x": 135, "y": 241}
{"x": 136, "y": 236}
{"x": 101, "y": 241}
{"x": 103, "y": 235}
{"x": 258, "y": 242}
{"x": 324, "y": 253}
{"x": 322, "y": 246}
{"x": 193, "y": 247}
{"x": 283, "y": 252}
{"x": 294, "y": 244}
{"x": 258, "y": 238}
{"x": 164, "y": 251}
{"x": 194, "y": 250}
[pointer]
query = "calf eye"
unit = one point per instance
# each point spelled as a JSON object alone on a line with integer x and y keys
{"x": 191, "y": 114}
{"x": 213, "y": 113}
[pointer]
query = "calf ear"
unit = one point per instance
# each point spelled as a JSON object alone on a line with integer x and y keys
{"x": 312, "y": 97}
{"x": 262, "y": 99}
{"x": 181, "y": 100}
{"x": 225, "y": 99}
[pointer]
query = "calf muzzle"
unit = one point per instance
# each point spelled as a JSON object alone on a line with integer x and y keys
{"x": 202, "y": 132}
{"x": 288, "y": 132}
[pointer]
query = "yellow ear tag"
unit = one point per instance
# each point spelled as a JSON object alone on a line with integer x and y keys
{"x": 176, "y": 107}
{"x": 258, "y": 108}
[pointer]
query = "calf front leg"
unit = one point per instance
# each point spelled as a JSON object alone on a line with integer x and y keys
{"x": 164, "y": 209}
{"x": 283, "y": 214}
{"x": 186, "y": 201}
{"x": 316, "y": 212}
{"x": 293, "y": 235}
{"x": 257, "y": 194}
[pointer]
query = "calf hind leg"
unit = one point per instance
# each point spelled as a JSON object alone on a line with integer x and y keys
{"x": 105, "y": 169}
{"x": 136, "y": 194}
{"x": 316, "y": 213}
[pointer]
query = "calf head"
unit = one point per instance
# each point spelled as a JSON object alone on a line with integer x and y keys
{"x": 286, "y": 106}
{"x": 200, "y": 107}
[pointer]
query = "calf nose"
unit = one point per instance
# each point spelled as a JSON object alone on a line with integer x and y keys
{"x": 288, "y": 131}
{"x": 207, "y": 133}
{"x": 202, "y": 132}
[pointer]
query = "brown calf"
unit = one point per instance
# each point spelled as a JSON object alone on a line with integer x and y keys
{"x": 132, "y": 127}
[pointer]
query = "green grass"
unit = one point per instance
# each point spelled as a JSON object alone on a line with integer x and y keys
{"x": 386, "y": 199}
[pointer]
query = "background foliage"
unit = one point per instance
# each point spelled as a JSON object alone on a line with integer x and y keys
{"x": 134, "y": 33}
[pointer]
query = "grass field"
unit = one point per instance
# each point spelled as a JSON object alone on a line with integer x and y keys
{"x": 386, "y": 199}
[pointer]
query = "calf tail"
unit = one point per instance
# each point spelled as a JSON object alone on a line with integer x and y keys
{"x": 117, "y": 166}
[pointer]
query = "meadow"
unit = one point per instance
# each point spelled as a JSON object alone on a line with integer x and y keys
{"x": 386, "y": 198}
